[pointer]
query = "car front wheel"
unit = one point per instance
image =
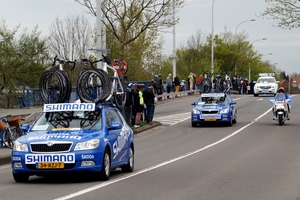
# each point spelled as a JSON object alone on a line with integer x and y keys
{"x": 20, "y": 178}
{"x": 105, "y": 171}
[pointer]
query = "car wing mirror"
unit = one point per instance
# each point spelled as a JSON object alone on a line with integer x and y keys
{"x": 193, "y": 103}
{"x": 233, "y": 103}
{"x": 25, "y": 127}
{"x": 115, "y": 125}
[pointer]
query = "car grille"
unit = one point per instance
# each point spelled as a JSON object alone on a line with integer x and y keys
{"x": 209, "y": 111}
{"x": 265, "y": 87}
{"x": 54, "y": 148}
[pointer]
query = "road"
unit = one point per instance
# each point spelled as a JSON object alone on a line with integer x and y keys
{"x": 254, "y": 159}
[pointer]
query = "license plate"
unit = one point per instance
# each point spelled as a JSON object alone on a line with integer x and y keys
{"x": 210, "y": 119}
{"x": 265, "y": 91}
{"x": 50, "y": 165}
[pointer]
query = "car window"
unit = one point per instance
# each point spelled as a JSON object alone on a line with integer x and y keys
{"x": 116, "y": 116}
{"x": 109, "y": 118}
{"x": 212, "y": 100}
{"x": 71, "y": 120}
{"x": 266, "y": 80}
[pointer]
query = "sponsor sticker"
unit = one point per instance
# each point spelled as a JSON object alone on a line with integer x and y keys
{"x": 69, "y": 107}
{"x": 41, "y": 158}
{"x": 215, "y": 116}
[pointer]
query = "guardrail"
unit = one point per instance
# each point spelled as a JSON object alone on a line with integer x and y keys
{"x": 173, "y": 95}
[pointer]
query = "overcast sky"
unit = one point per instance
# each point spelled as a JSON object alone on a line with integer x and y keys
{"x": 196, "y": 15}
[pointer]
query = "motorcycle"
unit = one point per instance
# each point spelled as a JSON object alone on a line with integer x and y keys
{"x": 183, "y": 85}
{"x": 280, "y": 108}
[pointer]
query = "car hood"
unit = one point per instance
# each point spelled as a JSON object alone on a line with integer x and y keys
{"x": 75, "y": 136}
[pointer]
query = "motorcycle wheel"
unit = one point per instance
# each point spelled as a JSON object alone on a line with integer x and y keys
{"x": 280, "y": 119}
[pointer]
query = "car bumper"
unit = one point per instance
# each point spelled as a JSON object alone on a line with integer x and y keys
{"x": 85, "y": 161}
{"x": 222, "y": 119}
{"x": 265, "y": 91}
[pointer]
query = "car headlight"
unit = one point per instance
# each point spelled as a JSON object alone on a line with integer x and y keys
{"x": 91, "y": 144}
{"x": 196, "y": 111}
{"x": 226, "y": 110}
{"x": 18, "y": 146}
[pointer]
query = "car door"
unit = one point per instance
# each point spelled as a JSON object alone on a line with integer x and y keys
{"x": 232, "y": 106}
{"x": 120, "y": 138}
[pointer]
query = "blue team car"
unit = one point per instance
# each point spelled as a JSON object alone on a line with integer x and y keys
{"x": 74, "y": 137}
{"x": 214, "y": 108}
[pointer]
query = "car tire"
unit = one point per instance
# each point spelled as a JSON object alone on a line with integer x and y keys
{"x": 231, "y": 121}
{"x": 194, "y": 124}
{"x": 20, "y": 178}
{"x": 130, "y": 165}
{"x": 256, "y": 95}
{"x": 105, "y": 171}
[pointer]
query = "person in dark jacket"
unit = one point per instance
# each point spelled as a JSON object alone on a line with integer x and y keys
{"x": 149, "y": 101}
{"x": 129, "y": 103}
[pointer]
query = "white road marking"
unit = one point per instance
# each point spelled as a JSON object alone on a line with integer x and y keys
{"x": 101, "y": 185}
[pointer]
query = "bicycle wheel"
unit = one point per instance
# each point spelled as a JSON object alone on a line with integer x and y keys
{"x": 54, "y": 87}
{"x": 221, "y": 85}
{"x": 6, "y": 138}
{"x": 205, "y": 85}
{"x": 119, "y": 95}
{"x": 92, "y": 86}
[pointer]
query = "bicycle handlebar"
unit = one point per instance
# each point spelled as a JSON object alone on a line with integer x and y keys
{"x": 63, "y": 62}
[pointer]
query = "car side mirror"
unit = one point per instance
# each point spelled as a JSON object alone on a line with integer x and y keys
{"x": 193, "y": 103}
{"x": 233, "y": 103}
{"x": 25, "y": 127}
{"x": 115, "y": 125}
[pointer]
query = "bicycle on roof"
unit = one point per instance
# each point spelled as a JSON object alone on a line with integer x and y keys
{"x": 55, "y": 85}
{"x": 205, "y": 84}
{"x": 95, "y": 85}
{"x": 223, "y": 84}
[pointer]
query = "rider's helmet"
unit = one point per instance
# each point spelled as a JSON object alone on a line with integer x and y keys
{"x": 281, "y": 89}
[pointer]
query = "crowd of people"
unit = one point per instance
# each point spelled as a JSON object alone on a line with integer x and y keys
{"x": 140, "y": 104}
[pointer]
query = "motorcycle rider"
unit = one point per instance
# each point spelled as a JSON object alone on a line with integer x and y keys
{"x": 282, "y": 91}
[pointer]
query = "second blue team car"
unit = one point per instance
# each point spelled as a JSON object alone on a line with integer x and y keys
{"x": 74, "y": 137}
{"x": 214, "y": 108}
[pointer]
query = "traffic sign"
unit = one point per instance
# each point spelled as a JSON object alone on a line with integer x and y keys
{"x": 117, "y": 65}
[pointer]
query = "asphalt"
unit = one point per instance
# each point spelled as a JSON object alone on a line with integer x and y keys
{"x": 29, "y": 114}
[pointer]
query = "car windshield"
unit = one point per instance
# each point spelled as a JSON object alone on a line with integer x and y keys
{"x": 280, "y": 97}
{"x": 212, "y": 100}
{"x": 70, "y": 120}
{"x": 266, "y": 80}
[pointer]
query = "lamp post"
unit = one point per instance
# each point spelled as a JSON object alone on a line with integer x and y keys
{"x": 251, "y": 20}
{"x": 212, "y": 42}
{"x": 249, "y": 61}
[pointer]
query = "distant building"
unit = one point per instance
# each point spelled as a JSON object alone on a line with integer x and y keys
{"x": 296, "y": 84}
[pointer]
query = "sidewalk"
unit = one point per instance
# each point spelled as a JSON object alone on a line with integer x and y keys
{"x": 5, "y": 153}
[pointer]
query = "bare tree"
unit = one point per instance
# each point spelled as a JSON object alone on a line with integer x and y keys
{"x": 122, "y": 17}
{"x": 285, "y": 11}
{"x": 71, "y": 38}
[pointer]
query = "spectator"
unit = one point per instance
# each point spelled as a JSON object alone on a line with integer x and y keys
{"x": 200, "y": 79}
{"x": 169, "y": 84}
{"x": 194, "y": 81}
{"x": 176, "y": 83}
{"x": 139, "y": 106}
{"x": 149, "y": 101}
{"x": 159, "y": 85}
{"x": 129, "y": 103}
{"x": 191, "y": 80}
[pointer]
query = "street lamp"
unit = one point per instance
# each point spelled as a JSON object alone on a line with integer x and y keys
{"x": 249, "y": 61}
{"x": 252, "y": 20}
{"x": 212, "y": 42}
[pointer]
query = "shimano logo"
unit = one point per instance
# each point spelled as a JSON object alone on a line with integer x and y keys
{"x": 69, "y": 107}
{"x": 36, "y": 158}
